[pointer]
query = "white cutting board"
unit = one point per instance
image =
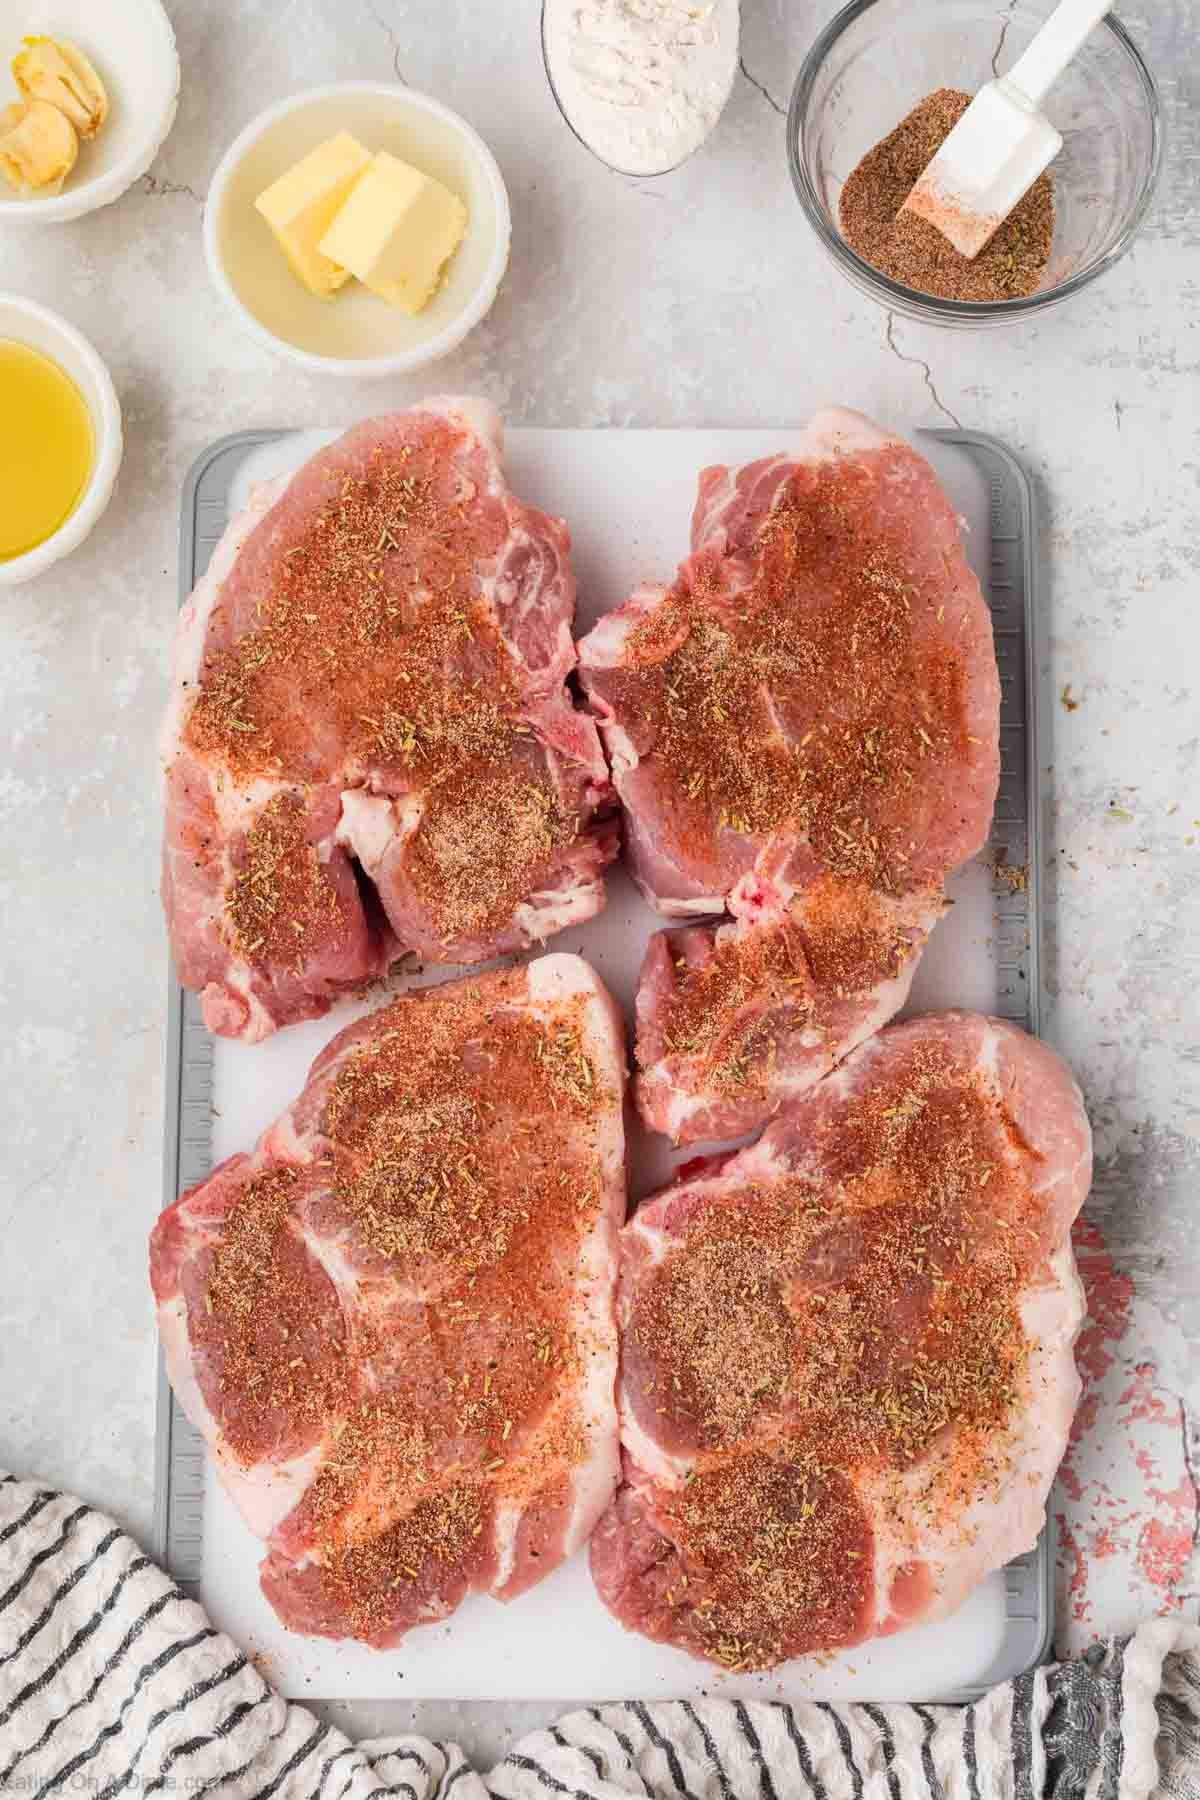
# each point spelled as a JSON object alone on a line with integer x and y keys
{"x": 628, "y": 498}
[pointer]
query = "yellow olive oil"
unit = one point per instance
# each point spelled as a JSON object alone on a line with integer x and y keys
{"x": 47, "y": 448}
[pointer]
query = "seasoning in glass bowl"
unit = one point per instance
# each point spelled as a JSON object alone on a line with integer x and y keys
{"x": 914, "y": 253}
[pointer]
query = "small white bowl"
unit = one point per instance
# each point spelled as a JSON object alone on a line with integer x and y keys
{"x": 133, "y": 47}
{"x": 24, "y": 322}
{"x": 355, "y": 333}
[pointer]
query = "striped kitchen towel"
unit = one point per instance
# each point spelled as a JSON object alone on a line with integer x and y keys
{"x": 111, "y": 1682}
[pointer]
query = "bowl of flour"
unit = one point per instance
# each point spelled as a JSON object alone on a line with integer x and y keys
{"x": 641, "y": 83}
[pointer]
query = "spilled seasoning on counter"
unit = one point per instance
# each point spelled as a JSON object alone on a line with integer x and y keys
{"x": 913, "y": 252}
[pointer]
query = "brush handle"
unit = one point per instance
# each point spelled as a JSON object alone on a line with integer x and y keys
{"x": 1034, "y": 74}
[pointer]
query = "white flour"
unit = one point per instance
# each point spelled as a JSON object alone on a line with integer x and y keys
{"x": 643, "y": 82}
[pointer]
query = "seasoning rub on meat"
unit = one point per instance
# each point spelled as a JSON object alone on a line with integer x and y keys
{"x": 847, "y": 1375}
{"x": 804, "y": 733}
{"x": 393, "y": 1319}
{"x": 370, "y": 746}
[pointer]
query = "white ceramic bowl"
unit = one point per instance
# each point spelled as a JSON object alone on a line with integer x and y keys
{"x": 133, "y": 47}
{"x": 24, "y": 322}
{"x": 355, "y": 333}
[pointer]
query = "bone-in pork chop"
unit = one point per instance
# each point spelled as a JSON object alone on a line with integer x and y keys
{"x": 847, "y": 1377}
{"x": 370, "y": 747}
{"x": 804, "y": 734}
{"x": 393, "y": 1319}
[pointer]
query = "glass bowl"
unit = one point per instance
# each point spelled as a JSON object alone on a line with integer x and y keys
{"x": 878, "y": 58}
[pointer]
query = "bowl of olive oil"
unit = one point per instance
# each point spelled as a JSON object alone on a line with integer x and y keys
{"x": 60, "y": 438}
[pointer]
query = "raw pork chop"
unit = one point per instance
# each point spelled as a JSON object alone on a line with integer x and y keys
{"x": 804, "y": 732}
{"x": 393, "y": 1319}
{"x": 847, "y": 1377}
{"x": 370, "y": 748}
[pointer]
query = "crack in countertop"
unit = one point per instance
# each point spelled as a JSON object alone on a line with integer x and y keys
{"x": 765, "y": 92}
{"x": 919, "y": 363}
{"x": 158, "y": 186}
{"x": 392, "y": 39}
{"x": 1012, "y": 7}
{"x": 60, "y": 1162}
{"x": 1189, "y": 1458}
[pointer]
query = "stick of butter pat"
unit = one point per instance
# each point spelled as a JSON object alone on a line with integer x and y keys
{"x": 396, "y": 232}
{"x": 301, "y": 205}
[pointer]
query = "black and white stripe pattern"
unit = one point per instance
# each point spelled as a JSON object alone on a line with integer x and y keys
{"x": 111, "y": 1682}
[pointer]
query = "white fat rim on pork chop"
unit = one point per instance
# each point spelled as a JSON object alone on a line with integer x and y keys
{"x": 1003, "y": 1522}
{"x": 552, "y": 981}
{"x": 265, "y": 1492}
{"x": 196, "y": 612}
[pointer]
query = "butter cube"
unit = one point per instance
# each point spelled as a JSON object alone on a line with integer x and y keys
{"x": 396, "y": 232}
{"x": 301, "y": 205}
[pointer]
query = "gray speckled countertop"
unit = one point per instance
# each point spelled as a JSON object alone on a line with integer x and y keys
{"x": 702, "y": 300}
